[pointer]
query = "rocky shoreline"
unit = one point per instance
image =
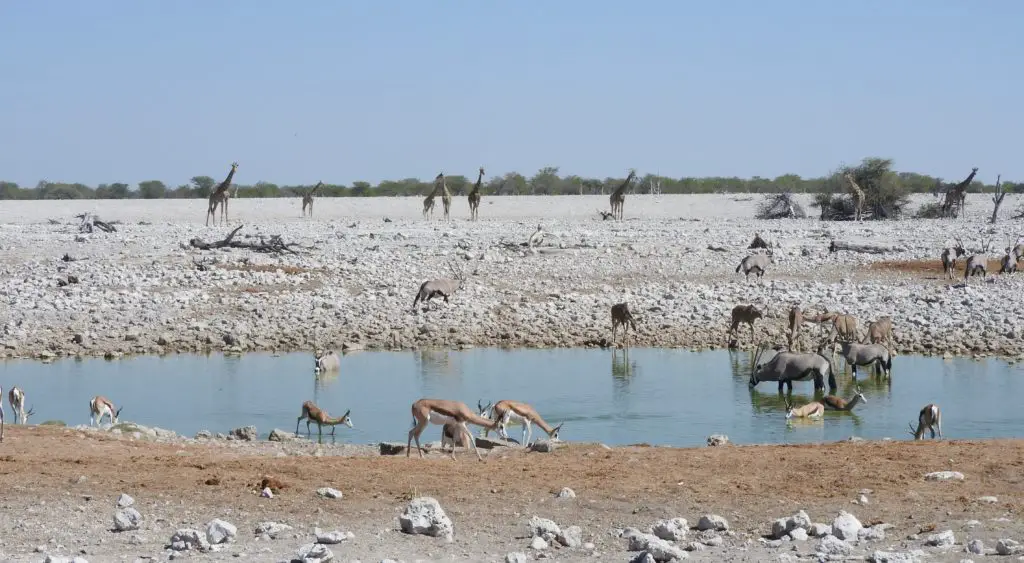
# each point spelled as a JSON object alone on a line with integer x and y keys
{"x": 145, "y": 290}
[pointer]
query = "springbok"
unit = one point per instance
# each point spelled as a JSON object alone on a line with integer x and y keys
{"x": 813, "y": 409}
{"x": 756, "y": 264}
{"x": 787, "y": 367}
{"x": 506, "y": 411}
{"x": 857, "y": 354}
{"x": 17, "y": 398}
{"x": 328, "y": 361}
{"x": 423, "y": 409}
{"x": 930, "y": 418}
{"x": 744, "y": 314}
{"x": 839, "y": 404}
{"x": 452, "y": 434}
{"x": 100, "y": 406}
{"x": 313, "y": 413}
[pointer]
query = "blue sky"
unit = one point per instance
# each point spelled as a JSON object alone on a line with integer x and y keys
{"x": 106, "y": 91}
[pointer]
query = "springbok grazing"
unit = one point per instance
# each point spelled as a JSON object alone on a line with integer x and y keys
{"x": 881, "y": 331}
{"x": 839, "y": 404}
{"x": 100, "y": 406}
{"x": 930, "y": 418}
{"x": 324, "y": 362}
{"x": 744, "y": 314}
{"x": 313, "y": 413}
{"x": 17, "y": 398}
{"x": 506, "y": 411}
{"x": 756, "y": 263}
{"x": 787, "y": 367}
{"x": 621, "y": 316}
{"x": 949, "y": 256}
{"x": 813, "y": 409}
{"x": 445, "y": 287}
{"x": 857, "y": 354}
{"x": 977, "y": 263}
{"x": 423, "y": 409}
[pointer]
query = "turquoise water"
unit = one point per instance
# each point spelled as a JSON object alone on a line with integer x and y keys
{"x": 655, "y": 396}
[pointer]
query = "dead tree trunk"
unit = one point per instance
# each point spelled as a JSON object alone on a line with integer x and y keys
{"x": 997, "y": 198}
{"x": 838, "y": 245}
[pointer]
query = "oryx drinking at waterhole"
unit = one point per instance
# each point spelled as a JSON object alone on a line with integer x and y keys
{"x": 787, "y": 367}
{"x": 857, "y": 354}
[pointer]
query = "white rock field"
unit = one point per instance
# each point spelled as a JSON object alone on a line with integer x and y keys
{"x": 352, "y": 282}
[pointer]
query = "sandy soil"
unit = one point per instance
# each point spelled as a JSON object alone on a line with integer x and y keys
{"x": 60, "y": 486}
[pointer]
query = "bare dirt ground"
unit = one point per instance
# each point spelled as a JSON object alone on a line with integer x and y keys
{"x": 60, "y": 486}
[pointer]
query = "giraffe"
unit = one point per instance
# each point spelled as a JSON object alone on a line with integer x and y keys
{"x": 474, "y": 197}
{"x": 428, "y": 202}
{"x": 307, "y": 199}
{"x": 858, "y": 195}
{"x": 618, "y": 197}
{"x": 446, "y": 197}
{"x": 957, "y": 195}
{"x": 220, "y": 197}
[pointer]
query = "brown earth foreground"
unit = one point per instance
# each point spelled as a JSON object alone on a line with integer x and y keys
{"x": 46, "y": 499}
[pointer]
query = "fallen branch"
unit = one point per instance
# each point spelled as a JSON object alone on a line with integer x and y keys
{"x": 274, "y": 245}
{"x": 836, "y": 246}
{"x": 89, "y": 221}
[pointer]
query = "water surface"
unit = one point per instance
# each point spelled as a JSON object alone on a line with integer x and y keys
{"x": 657, "y": 396}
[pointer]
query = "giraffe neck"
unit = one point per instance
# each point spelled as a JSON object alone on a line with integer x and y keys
{"x": 223, "y": 187}
{"x": 622, "y": 188}
{"x": 476, "y": 187}
{"x": 967, "y": 181}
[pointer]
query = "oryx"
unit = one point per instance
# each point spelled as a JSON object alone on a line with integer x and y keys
{"x": 857, "y": 354}
{"x": 787, "y": 367}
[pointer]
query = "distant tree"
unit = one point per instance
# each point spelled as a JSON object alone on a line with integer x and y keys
{"x": 10, "y": 190}
{"x": 152, "y": 189}
{"x": 885, "y": 196}
{"x": 202, "y": 186}
{"x": 361, "y": 189}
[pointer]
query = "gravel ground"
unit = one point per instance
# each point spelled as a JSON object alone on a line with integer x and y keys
{"x": 62, "y": 487}
{"x": 143, "y": 289}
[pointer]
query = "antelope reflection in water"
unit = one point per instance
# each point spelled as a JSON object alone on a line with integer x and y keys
{"x": 433, "y": 362}
{"x": 622, "y": 368}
